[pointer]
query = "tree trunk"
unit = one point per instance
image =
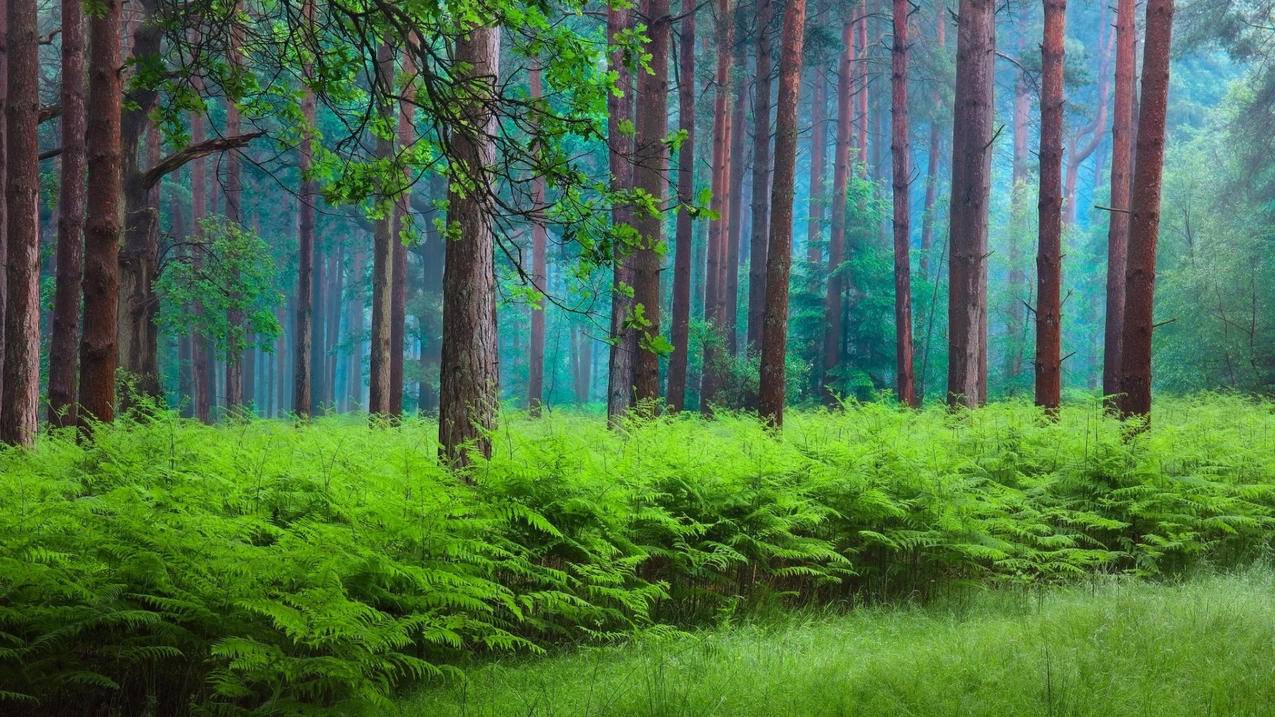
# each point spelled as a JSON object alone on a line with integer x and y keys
{"x": 837, "y": 237}
{"x": 307, "y": 279}
{"x": 1049, "y": 255}
{"x": 717, "y": 229}
{"x": 432, "y": 260}
{"x": 761, "y": 179}
{"x": 818, "y": 140}
{"x": 1097, "y": 129}
{"x": 4, "y": 94}
{"x": 779, "y": 253}
{"x": 680, "y": 330}
{"x": 470, "y": 372}
{"x": 70, "y": 250}
{"x": 1144, "y": 222}
{"x": 902, "y": 173}
{"x": 398, "y": 283}
{"x": 382, "y": 268}
{"x": 1018, "y": 291}
{"x": 20, "y": 391}
{"x": 201, "y": 353}
{"x": 932, "y": 163}
{"x": 972, "y": 129}
{"x": 1121, "y": 172}
{"x": 861, "y": 93}
{"x": 539, "y": 271}
{"x": 735, "y": 195}
{"x": 620, "y": 110}
{"x": 353, "y": 303}
{"x": 651, "y": 176}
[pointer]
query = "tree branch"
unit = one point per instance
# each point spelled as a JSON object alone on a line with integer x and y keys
{"x": 177, "y": 160}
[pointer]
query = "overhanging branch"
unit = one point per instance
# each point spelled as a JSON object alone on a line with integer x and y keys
{"x": 177, "y": 160}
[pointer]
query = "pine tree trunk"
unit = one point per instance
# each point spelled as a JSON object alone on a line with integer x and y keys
{"x": 382, "y": 269}
{"x": 735, "y": 195}
{"x": 620, "y": 110}
{"x": 837, "y": 236}
{"x": 1144, "y": 222}
{"x": 1018, "y": 291}
{"x": 201, "y": 353}
{"x": 4, "y": 94}
{"x": 932, "y": 163}
{"x": 972, "y": 130}
{"x": 307, "y": 278}
{"x": 20, "y": 390}
{"x": 1121, "y": 173}
{"x": 432, "y": 259}
{"x": 651, "y": 176}
{"x": 818, "y": 150}
{"x": 233, "y": 190}
{"x": 779, "y": 253}
{"x": 761, "y": 179}
{"x": 398, "y": 283}
{"x": 70, "y": 248}
{"x": 539, "y": 271}
{"x": 680, "y": 330}
{"x": 902, "y": 172}
{"x": 470, "y": 372}
{"x": 1049, "y": 255}
{"x": 345, "y": 290}
{"x": 718, "y": 229}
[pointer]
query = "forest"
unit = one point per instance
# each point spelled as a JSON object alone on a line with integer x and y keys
{"x": 637, "y": 357}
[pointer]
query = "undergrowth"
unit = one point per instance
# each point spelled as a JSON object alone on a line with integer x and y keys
{"x": 264, "y": 567}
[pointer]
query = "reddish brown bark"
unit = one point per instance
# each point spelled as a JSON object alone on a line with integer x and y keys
{"x": 862, "y": 94}
{"x": 680, "y": 329}
{"x": 1018, "y": 292}
{"x": 536, "y": 352}
{"x": 378, "y": 402}
{"x": 718, "y": 229}
{"x": 1144, "y": 222}
{"x": 818, "y": 140}
{"x": 620, "y": 107}
{"x": 972, "y": 129}
{"x": 19, "y": 392}
{"x": 932, "y": 160}
{"x": 303, "y": 334}
{"x": 735, "y": 194}
{"x": 1121, "y": 173}
{"x": 201, "y": 353}
{"x": 779, "y": 253}
{"x": 1049, "y": 255}
{"x": 651, "y": 176}
{"x": 4, "y": 94}
{"x": 902, "y": 173}
{"x": 470, "y": 373}
{"x": 70, "y": 250}
{"x": 840, "y": 182}
{"x": 398, "y": 279}
{"x": 759, "y": 231}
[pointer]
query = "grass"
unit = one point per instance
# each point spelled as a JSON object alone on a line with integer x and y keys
{"x": 1114, "y": 647}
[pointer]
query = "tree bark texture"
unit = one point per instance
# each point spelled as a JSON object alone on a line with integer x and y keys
{"x": 1049, "y": 254}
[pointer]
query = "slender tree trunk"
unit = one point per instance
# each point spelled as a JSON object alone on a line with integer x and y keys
{"x": 1144, "y": 222}
{"x": 432, "y": 261}
{"x": 861, "y": 93}
{"x": 202, "y": 355}
{"x": 1121, "y": 173}
{"x": 470, "y": 372}
{"x": 398, "y": 283}
{"x": 818, "y": 140}
{"x": 4, "y": 103}
{"x": 779, "y": 253}
{"x": 651, "y": 176}
{"x": 761, "y": 179}
{"x": 735, "y": 195}
{"x": 837, "y": 237}
{"x": 233, "y": 191}
{"x": 1049, "y": 256}
{"x": 19, "y": 392}
{"x": 680, "y": 330}
{"x": 620, "y": 108}
{"x": 536, "y": 354}
{"x": 1018, "y": 291}
{"x": 350, "y": 297}
{"x": 70, "y": 250}
{"x": 972, "y": 130}
{"x": 307, "y": 269}
{"x": 718, "y": 229}
{"x": 932, "y": 160}
{"x": 382, "y": 270}
{"x": 902, "y": 172}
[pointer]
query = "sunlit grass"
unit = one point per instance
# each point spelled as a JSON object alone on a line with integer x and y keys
{"x": 1206, "y": 647}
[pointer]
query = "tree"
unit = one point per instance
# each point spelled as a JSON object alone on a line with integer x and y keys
{"x": 818, "y": 138}
{"x": 779, "y": 253}
{"x": 972, "y": 129}
{"x": 680, "y": 329}
{"x": 1121, "y": 171}
{"x": 70, "y": 248}
{"x": 382, "y": 254}
{"x": 539, "y": 278}
{"x": 620, "y": 110}
{"x": 1049, "y": 254}
{"x": 734, "y": 222}
{"x": 302, "y": 378}
{"x": 650, "y": 179}
{"x": 718, "y": 229}
{"x": 902, "y": 173}
{"x": 840, "y": 182}
{"x": 761, "y": 178}
{"x": 4, "y": 95}
{"x": 469, "y": 374}
{"x": 20, "y": 390}
{"x": 398, "y": 279}
{"x": 233, "y": 192}
{"x": 1144, "y": 220}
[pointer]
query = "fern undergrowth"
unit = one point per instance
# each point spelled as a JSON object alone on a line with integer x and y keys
{"x": 267, "y": 567}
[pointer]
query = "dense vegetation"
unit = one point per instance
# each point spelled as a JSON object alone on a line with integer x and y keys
{"x": 270, "y": 567}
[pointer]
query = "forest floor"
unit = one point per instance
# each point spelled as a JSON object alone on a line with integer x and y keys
{"x": 1114, "y": 647}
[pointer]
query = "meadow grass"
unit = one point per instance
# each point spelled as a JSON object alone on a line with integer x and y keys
{"x": 1113, "y": 647}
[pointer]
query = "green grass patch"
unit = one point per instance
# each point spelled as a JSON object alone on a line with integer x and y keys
{"x": 268, "y": 568}
{"x": 1206, "y": 647}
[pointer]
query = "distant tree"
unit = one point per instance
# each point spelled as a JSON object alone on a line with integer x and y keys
{"x": 1121, "y": 173}
{"x": 539, "y": 278}
{"x": 760, "y": 226}
{"x": 718, "y": 228}
{"x": 902, "y": 175}
{"x": 680, "y": 328}
{"x": 848, "y": 68}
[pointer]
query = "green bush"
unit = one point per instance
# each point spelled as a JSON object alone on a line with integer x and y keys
{"x": 264, "y": 567}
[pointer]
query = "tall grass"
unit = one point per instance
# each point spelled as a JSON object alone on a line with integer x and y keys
{"x": 267, "y": 567}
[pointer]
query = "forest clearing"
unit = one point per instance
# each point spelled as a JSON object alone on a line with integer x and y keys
{"x": 637, "y": 357}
